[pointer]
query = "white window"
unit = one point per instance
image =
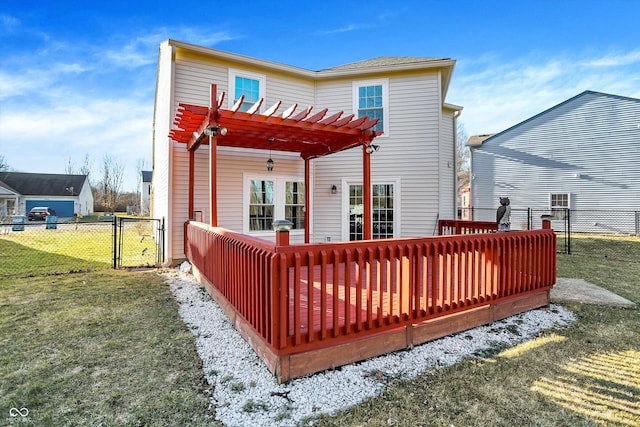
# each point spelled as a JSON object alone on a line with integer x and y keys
{"x": 559, "y": 203}
{"x": 271, "y": 198}
{"x": 371, "y": 98}
{"x": 384, "y": 210}
{"x": 251, "y": 85}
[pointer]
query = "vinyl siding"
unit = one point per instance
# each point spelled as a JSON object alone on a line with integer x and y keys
{"x": 161, "y": 143}
{"x": 193, "y": 78}
{"x": 409, "y": 152}
{"x": 587, "y": 147}
{"x": 410, "y": 149}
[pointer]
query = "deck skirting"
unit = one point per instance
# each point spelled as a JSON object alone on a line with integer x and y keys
{"x": 289, "y": 366}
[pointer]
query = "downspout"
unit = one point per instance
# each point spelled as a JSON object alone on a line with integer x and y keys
{"x": 456, "y": 192}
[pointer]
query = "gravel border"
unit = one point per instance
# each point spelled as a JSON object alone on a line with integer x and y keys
{"x": 245, "y": 393}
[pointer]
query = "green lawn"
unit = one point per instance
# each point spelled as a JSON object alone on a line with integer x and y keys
{"x": 107, "y": 347}
{"x": 72, "y": 248}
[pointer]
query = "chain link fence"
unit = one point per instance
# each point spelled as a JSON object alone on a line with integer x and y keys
{"x": 580, "y": 232}
{"x": 29, "y": 248}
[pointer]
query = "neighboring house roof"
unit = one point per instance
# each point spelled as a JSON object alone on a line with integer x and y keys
{"x": 8, "y": 189}
{"x": 146, "y": 176}
{"x": 42, "y": 184}
{"x": 580, "y": 95}
{"x": 477, "y": 140}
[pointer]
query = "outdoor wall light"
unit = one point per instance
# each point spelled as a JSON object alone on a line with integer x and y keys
{"x": 215, "y": 131}
{"x": 334, "y": 189}
{"x": 372, "y": 148}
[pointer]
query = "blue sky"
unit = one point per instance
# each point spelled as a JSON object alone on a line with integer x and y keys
{"x": 78, "y": 80}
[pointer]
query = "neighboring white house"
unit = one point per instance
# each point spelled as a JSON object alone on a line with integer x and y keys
{"x": 581, "y": 154}
{"x": 145, "y": 192}
{"x": 68, "y": 195}
{"x": 412, "y": 175}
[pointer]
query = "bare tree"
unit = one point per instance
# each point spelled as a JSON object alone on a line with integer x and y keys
{"x": 84, "y": 169}
{"x": 112, "y": 174}
{"x": 463, "y": 165}
{"x": 4, "y": 166}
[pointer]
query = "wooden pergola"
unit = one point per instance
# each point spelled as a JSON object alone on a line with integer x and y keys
{"x": 310, "y": 135}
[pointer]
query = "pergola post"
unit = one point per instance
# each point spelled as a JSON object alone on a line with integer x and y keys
{"x": 307, "y": 199}
{"x": 213, "y": 160}
{"x": 192, "y": 154}
{"x": 366, "y": 192}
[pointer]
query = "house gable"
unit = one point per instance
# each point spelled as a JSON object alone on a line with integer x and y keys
{"x": 584, "y": 149}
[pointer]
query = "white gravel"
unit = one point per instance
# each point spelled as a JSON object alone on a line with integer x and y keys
{"x": 246, "y": 393}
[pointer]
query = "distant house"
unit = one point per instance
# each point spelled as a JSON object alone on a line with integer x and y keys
{"x": 582, "y": 154}
{"x": 69, "y": 195}
{"x": 412, "y": 176}
{"x": 145, "y": 192}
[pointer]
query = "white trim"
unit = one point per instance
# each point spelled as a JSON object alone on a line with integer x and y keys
{"x": 262, "y": 84}
{"x": 344, "y": 216}
{"x": 356, "y": 84}
{"x": 279, "y": 196}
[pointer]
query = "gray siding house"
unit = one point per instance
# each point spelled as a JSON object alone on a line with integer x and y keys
{"x": 582, "y": 154}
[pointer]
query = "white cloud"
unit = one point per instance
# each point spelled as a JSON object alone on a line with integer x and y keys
{"x": 497, "y": 95}
{"x": 615, "y": 59}
{"x": 345, "y": 29}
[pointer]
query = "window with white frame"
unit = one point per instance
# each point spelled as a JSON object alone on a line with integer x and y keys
{"x": 370, "y": 98}
{"x": 294, "y": 203}
{"x": 261, "y": 205}
{"x": 271, "y": 199}
{"x": 384, "y": 210}
{"x": 559, "y": 203}
{"x": 251, "y": 85}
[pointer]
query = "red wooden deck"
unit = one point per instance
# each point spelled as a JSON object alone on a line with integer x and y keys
{"x": 306, "y": 308}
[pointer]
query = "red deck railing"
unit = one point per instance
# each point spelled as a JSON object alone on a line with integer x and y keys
{"x": 448, "y": 227}
{"x": 312, "y": 296}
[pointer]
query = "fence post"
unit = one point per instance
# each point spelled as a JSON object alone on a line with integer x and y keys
{"x": 637, "y": 223}
{"x": 115, "y": 241}
{"x": 568, "y": 228}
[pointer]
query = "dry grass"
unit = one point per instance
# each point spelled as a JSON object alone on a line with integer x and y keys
{"x": 108, "y": 348}
{"x": 104, "y": 348}
{"x": 587, "y": 374}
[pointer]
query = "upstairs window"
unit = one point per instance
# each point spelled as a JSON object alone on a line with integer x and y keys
{"x": 371, "y": 99}
{"x": 250, "y": 85}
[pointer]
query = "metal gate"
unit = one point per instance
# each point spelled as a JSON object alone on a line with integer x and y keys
{"x": 138, "y": 242}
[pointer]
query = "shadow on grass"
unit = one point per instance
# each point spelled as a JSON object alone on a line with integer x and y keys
{"x": 20, "y": 260}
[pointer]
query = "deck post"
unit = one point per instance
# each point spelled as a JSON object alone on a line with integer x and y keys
{"x": 213, "y": 161}
{"x": 282, "y": 227}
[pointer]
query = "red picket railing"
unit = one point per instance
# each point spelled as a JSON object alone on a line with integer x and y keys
{"x": 313, "y": 296}
{"x": 447, "y": 227}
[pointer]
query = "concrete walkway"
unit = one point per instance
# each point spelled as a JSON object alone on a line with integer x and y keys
{"x": 578, "y": 290}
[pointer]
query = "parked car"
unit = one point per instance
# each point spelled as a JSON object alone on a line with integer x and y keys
{"x": 40, "y": 213}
